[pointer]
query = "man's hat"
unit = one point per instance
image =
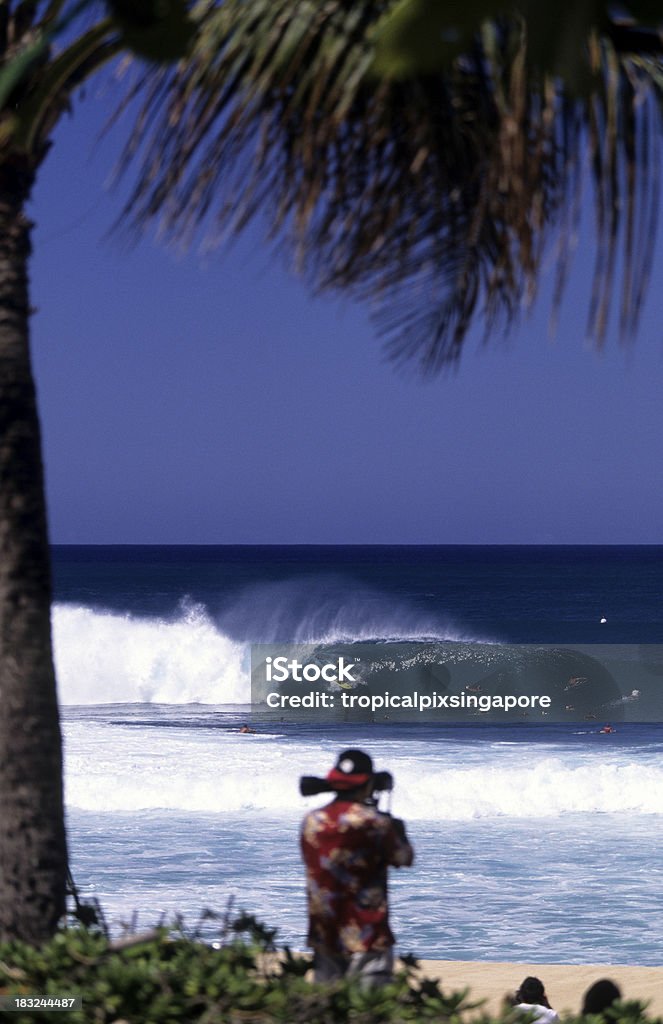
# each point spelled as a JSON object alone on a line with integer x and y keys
{"x": 353, "y": 769}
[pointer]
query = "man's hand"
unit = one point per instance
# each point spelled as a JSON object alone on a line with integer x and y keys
{"x": 399, "y": 828}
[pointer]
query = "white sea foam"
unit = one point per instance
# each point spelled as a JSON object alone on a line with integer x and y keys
{"x": 104, "y": 657}
{"x": 544, "y": 788}
{"x": 332, "y": 609}
{"x": 171, "y": 810}
{"x": 131, "y": 767}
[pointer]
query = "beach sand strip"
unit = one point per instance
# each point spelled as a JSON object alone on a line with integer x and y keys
{"x": 565, "y": 984}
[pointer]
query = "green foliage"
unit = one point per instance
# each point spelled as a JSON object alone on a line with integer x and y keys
{"x": 422, "y": 36}
{"x": 425, "y": 36}
{"x": 171, "y": 977}
{"x": 157, "y": 30}
{"x": 174, "y": 977}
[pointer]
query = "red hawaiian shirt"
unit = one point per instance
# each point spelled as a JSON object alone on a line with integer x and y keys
{"x": 347, "y": 847}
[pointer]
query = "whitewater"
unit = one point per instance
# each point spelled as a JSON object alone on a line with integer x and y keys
{"x": 534, "y": 843}
{"x": 105, "y": 657}
{"x": 174, "y": 812}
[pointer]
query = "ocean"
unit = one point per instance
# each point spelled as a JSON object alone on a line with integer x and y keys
{"x": 536, "y": 840}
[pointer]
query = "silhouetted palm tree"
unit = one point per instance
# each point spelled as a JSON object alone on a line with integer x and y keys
{"x": 435, "y": 192}
{"x": 36, "y": 85}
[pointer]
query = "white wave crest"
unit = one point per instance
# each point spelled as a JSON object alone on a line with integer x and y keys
{"x": 545, "y": 788}
{"x": 104, "y": 658}
{"x": 335, "y": 609}
{"x": 122, "y": 768}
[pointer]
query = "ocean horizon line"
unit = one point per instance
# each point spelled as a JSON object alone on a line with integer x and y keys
{"x": 345, "y": 544}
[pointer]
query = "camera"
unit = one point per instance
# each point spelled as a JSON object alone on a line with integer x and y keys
{"x": 383, "y": 782}
{"x": 309, "y": 785}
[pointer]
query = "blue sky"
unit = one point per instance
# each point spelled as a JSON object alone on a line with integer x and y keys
{"x": 214, "y": 400}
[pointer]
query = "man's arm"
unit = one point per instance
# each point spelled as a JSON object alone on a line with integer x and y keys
{"x": 402, "y": 852}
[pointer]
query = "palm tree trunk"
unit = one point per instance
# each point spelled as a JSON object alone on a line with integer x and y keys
{"x": 33, "y": 851}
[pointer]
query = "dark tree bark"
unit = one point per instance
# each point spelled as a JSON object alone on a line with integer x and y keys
{"x": 33, "y": 852}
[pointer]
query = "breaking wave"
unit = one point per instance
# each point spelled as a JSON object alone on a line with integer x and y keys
{"x": 106, "y": 656}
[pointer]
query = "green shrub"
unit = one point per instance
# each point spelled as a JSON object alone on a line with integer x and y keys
{"x": 172, "y": 977}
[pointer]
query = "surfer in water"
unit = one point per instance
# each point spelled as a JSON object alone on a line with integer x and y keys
{"x": 634, "y": 695}
{"x": 575, "y": 681}
{"x": 246, "y": 728}
{"x": 606, "y": 730}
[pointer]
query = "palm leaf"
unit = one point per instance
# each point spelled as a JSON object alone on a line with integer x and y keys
{"x": 435, "y": 197}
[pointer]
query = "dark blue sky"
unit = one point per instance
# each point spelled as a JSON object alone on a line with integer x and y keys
{"x": 212, "y": 400}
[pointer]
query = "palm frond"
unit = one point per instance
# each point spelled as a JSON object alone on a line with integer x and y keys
{"x": 435, "y": 197}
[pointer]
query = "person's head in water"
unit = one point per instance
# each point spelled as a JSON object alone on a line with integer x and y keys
{"x": 532, "y": 991}
{"x": 600, "y": 996}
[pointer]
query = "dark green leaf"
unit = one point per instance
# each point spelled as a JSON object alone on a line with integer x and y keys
{"x": 421, "y": 36}
{"x": 156, "y": 30}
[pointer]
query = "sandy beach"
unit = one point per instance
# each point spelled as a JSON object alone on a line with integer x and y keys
{"x": 565, "y": 984}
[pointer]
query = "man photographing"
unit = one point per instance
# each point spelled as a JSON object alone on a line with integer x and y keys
{"x": 347, "y": 847}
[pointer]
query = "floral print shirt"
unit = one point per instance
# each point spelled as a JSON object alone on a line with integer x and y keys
{"x": 347, "y": 847}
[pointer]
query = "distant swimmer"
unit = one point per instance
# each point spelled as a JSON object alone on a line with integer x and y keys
{"x": 246, "y": 728}
{"x": 633, "y": 695}
{"x": 606, "y": 730}
{"x": 575, "y": 681}
{"x": 473, "y": 689}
